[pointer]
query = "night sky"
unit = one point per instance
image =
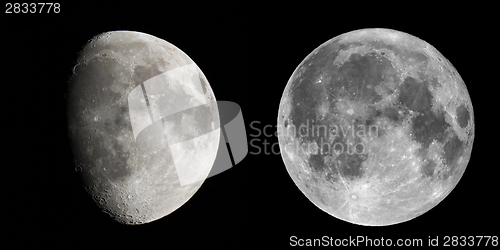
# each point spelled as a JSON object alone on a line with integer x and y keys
{"x": 247, "y": 52}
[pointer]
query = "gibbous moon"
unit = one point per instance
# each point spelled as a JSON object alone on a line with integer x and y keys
{"x": 143, "y": 125}
{"x": 375, "y": 127}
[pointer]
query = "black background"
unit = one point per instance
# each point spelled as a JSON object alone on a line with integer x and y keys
{"x": 247, "y": 52}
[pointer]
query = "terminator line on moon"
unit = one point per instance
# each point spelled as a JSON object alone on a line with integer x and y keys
{"x": 143, "y": 125}
{"x": 375, "y": 127}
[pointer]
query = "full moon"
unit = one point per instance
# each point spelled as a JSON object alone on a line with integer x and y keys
{"x": 143, "y": 125}
{"x": 375, "y": 127}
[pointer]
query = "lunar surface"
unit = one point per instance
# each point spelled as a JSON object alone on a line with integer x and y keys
{"x": 375, "y": 127}
{"x": 143, "y": 125}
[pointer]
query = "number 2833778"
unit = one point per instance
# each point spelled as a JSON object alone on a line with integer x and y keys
{"x": 26, "y": 8}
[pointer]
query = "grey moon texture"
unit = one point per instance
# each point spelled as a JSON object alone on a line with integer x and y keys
{"x": 375, "y": 127}
{"x": 143, "y": 125}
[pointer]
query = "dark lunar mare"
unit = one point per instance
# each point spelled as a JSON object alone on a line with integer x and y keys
{"x": 463, "y": 115}
{"x": 429, "y": 126}
{"x": 86, "y": 138}
{"x": 356, "y": 79}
